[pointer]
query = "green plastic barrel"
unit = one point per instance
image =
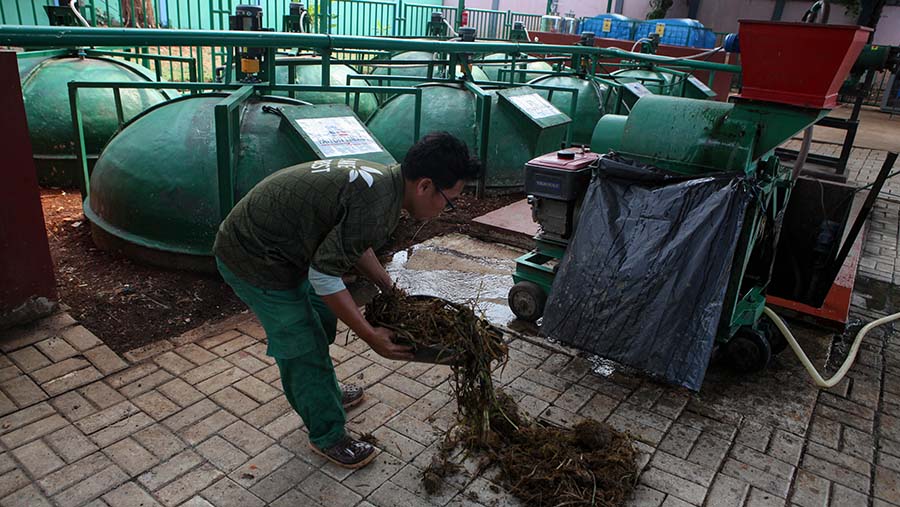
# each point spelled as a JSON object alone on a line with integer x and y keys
{"x": 46, "y": 94}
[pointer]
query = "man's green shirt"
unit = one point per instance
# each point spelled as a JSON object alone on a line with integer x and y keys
{"x": 323, "y": 214}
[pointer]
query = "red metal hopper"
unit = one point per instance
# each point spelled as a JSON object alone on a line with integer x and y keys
{"x": 800, "y": 64}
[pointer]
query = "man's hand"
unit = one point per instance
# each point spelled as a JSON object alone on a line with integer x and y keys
{"x": 381, "y": 341}
{"x": 373, "y": 270}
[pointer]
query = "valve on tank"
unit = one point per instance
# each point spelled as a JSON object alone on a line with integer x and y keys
{"x": 464, "y": 60}
{"x": 518, "y": 32}
{"x": 62, "y": 13}
{"x": 650, "y": 46}
{"x": 437, "y": 26}
{"x": 248, "y": 18}
{"x": 587, "y": 39}
{"x": 297, "y": 19}
{"x": 582, "y": 63}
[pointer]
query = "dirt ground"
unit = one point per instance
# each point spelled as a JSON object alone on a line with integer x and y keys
{"x": 129, "y": 304}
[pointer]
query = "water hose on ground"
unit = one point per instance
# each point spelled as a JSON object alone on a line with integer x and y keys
{"x": 851, "y": 356}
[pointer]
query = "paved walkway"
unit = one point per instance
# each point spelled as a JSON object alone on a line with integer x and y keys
{"x": 199, "y": 420}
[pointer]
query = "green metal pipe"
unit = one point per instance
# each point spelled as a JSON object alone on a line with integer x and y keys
{"x": 192, "y": 62}
{"x": 39, "y": 36}
{"x": 227, "y": 140}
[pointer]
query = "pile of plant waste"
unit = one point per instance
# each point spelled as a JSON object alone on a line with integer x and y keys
{"x": 589, "y": 464}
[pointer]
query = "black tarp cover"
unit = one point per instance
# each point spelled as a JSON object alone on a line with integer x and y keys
{"x": 643, "y": 280}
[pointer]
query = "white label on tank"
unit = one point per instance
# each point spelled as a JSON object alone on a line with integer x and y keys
{"x": 699, "y": 84}
{"x": 536, "y": 106}
{"x": 338, "y": 136}
{"x": 638, "y": 89}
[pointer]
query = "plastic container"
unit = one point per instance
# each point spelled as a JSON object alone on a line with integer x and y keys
{"x": 677, "y": 32}
{"x": 610, "y": 26}
{"x": 800, "y": 64}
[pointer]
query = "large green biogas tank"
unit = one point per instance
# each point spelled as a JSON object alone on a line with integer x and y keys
{"x": 491, "y": 65}
{"x": 657, "y": 82}
{"x": 522, "y": 125}
{"x": 637, "y": 82}
{"x": 415, "y": 64}
{"x": 309, "y": 72}
{"x": 46, "y": 94}
{"x": 154, "y": 191}
{"x": 588, "y": 110}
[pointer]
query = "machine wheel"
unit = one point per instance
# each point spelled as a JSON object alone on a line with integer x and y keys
{"x": 527, "y": 299}
{"x": 748, "y": 351}
{"x": 777, "y": 341}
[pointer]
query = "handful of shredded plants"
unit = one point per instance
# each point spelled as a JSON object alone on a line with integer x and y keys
{"x": 589, "y": 464}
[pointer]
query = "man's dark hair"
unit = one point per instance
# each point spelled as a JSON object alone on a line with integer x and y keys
{"x": 443, "y": 158}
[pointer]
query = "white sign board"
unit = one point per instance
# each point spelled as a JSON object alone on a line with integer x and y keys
{"x": 638, "y": 89}
{"x": 536, "y": 106}
{"x": 338, "y": 136}
{"x": 699, "y": 84}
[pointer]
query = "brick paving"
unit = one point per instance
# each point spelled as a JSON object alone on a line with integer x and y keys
{"x": 199, "y": 420}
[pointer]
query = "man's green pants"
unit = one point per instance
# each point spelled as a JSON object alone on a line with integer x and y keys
{"x": 299, "y": 327}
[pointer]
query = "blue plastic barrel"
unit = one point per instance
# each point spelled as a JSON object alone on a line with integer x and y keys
{"x": 678, "y": 32}
{"x": 610, "y": 26}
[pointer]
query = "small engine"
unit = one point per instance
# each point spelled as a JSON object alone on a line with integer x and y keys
{"x": 555, "y": 184}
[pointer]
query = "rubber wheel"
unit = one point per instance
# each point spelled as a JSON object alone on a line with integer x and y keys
{"x": 748, "y": 351}
{"x": 527, "y": 299}
{"x": 777, "y": 341}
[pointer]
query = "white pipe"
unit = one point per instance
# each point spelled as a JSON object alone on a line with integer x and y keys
{"x": 450, "y": 27}
{"x": 851, "y": 356}
{"x": 78, "y": 14}
{"x": 698, "y": 55}
{"x": 302, "y": 17}
{"x": 642, "y": 39}
{"x": 803, "y": 153}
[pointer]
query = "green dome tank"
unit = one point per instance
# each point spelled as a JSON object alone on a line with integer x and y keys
{"x": 154, "y": 191}
{"x": 590, "y": 107}
{"x": 512, "y": 140}
{"x": 311, "y": 74}
{"x": 492, "y": 70}
{"x": 416, "y": 69}
{"x": 46, "y": 95}
{"x": 660, "y": 83}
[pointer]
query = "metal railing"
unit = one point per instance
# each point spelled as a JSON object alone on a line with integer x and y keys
{"x": 416, "y": 17}
{"x": 325, "y": 45}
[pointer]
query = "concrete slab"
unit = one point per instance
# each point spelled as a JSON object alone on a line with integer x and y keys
{"x": 515, "y": 219}
{"x": 877, "y": 130}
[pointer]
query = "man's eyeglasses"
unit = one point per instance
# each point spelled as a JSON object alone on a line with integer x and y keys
{"x": 450, "y": 206}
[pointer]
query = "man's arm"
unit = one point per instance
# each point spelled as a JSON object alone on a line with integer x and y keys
{"x": 369, "y": 266}
{"x": 379, "y": 338}
{"x": 331, "y": 289}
